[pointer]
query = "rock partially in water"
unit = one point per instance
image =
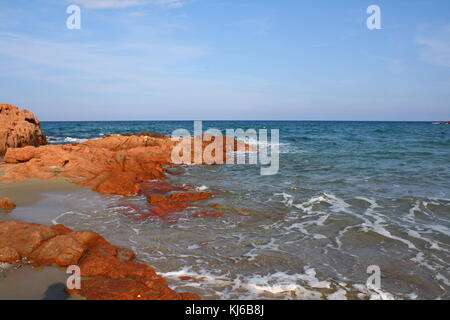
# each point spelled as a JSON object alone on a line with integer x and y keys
{"x": 111, "y": 165}
{"x": 19, "y": 128}
{"x": 108, "y": 272}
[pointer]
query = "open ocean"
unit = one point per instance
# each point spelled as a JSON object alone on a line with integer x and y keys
{"x": 348, "y": 195}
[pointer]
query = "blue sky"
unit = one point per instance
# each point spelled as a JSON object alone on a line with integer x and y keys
{"x": 227, "y": 59}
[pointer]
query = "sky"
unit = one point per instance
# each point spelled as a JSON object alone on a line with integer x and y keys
{"x": 227, "y": 60}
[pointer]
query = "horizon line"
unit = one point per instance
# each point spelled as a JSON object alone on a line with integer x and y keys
{"x": 228, "y": 120}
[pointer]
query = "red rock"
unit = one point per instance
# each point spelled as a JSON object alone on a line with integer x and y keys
{"x": 61, "y": 250}
{"x": 121, "y": 165}
{"x": 158, "y": 211}
{"x": 7, "y": 204}
{"x": 122, "y": 183}
{"x": 127, "y": 289}
{"x": 163, "y": 205}
{"x": 24, "y": 237}
{"x": 189, "y": 197}
{"x": 18, "y": 128}
{"x": 16, "y": 155}
{"x": 9, "y": 255}
{"x": 116, "y": 275}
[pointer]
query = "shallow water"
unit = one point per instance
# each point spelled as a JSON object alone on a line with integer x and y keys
{"x": 348, "y": 195}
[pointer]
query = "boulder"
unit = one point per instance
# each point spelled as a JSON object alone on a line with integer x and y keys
{"x": 107, "y": 271}
{"x": 18, "y": 128}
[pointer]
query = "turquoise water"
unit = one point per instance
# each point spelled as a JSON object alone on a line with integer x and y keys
{"x": 348, "y": 195}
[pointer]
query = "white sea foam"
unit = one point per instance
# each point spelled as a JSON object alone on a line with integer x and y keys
{"x": 420, "y": 259}
{"x": 417, "y": 235}
{"x": 412, "y": 212}
{"x": 70, "y": 139}
{"x": 374, "y": 293}
{"x": 340, "y": 294}
{"x": 53, "y": 139}
{"x": 440, "y": 277}
{"x": 304, "y": 286}
{"x": 201, "y": 188}
{"x": 4, "y": 266}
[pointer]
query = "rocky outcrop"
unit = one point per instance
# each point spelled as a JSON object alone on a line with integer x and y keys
{"x": 108, "y": 272}
{"x": 19, "y": 128}
{"x": 111, "y": 165}
{"x": 448, "y": 122}
{"x": 7, "y": 204}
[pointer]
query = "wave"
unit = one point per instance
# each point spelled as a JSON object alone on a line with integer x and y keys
{"x": 303, "y": 286}
{"x": 58, "y": 140}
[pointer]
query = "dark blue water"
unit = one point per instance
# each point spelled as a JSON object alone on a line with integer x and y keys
{"x": 348, "y": 195}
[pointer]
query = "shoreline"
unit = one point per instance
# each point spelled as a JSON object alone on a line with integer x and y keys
{"x": 35, "y": 203}
{"x": 116, "y": 165}
{"x": 42, "y": 201}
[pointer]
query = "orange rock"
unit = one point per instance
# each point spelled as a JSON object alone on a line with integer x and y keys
{"x": 16, "y": 155}
{"x": 121, "y": 165}
{"x": 116, "y": 275}
{"x": 24, "y": 237}
{"x": 189, "y": 197}
{"x": 18, "y": 128}
{"x": 127, "y": 289}
{"x": 163, "y": 205}
{"x": 9, "y": 255}
{"x": 7, "y": 204}
{"x": 61, "y": 250}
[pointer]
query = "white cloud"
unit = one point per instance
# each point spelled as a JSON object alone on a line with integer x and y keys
{"x": 435, "y": 47}
{"x": 117, "y": 4}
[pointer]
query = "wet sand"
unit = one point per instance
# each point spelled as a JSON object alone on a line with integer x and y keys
{"x": 39, "y": 201}
{"x": 28, "y": 283}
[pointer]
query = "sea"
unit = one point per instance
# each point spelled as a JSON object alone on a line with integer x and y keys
{"x": 357, "y": 210}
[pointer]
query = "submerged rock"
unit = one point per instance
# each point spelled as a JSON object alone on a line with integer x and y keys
{"x": 19, "y": 128}
{"x": 107, "y": 271}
